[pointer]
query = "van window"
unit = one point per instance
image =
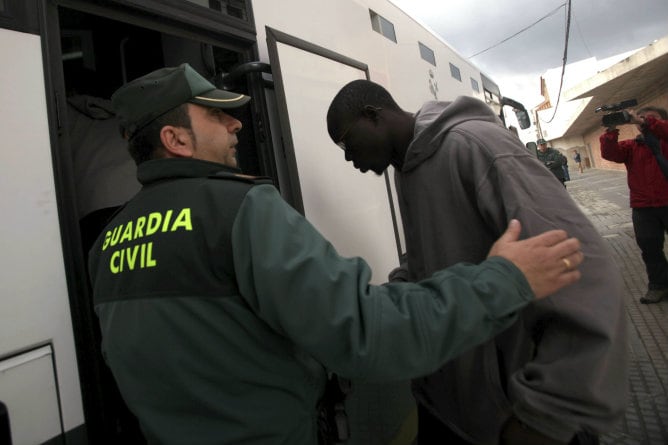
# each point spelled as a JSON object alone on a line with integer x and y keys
{"x": 382, "y": 26}
{"x": 427, "y": 54}
{"x": 474, "y": 85}
{"x": 454, "y": 72}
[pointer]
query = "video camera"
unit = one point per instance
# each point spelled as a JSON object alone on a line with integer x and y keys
{"x": 617, "y": 114}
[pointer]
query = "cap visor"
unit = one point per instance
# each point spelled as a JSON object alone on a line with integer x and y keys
{"x": 220, "y": 99}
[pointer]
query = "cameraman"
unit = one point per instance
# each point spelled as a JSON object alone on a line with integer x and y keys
{"x": 648, "y": 187}
{"x": 552, "y": 159}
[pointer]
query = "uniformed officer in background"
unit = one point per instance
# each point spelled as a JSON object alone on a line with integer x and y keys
{"x": 222, "y": 309}
{"x": 552, "y": 159}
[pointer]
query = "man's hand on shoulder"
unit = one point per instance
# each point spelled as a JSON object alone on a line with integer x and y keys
{"x": 549, "y": 261}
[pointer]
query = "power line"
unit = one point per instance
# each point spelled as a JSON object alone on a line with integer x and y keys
{"x": 584, "y": 42}
{"x": 565, "y": 59}
{"x": 551, "y": 13}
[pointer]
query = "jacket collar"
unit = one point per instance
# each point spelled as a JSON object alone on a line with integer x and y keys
{"x": 158, "y": 169}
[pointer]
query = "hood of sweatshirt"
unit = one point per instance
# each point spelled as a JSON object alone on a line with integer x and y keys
{"x": 435, "y": 119}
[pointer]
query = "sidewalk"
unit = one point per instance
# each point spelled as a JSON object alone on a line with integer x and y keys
{"x": 603, "y": 196}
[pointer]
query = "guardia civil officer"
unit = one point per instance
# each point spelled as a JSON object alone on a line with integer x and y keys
{"x": 222, "y": 308}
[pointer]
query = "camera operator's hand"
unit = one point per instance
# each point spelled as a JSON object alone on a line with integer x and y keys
{"x": 639, "y": 121}
{"x": 634, "y": 118}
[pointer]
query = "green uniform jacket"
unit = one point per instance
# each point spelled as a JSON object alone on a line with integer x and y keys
{"x": 221, "y": 309}
{"x": 553, "y": 160}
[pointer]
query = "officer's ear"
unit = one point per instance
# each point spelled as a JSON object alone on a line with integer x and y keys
{"x": 177, "y": 141}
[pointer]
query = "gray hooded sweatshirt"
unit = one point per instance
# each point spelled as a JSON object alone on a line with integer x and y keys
{"x": 562, "y": 367}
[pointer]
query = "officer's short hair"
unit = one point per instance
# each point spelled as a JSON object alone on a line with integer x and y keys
{"x": 145, "y": 144}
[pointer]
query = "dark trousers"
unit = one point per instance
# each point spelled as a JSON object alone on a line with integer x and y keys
{"x": 650, "y": 225}
{"x": 432, "y": 431}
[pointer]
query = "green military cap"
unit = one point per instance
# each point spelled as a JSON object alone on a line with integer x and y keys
{"x": 142, "y": 100}
{"x": 541, "y": 141}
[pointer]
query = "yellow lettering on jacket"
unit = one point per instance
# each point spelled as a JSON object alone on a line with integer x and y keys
{"x": 139, "y": 227}
{"x": 165, "y": 224}
{"x": 154, "y": 220}
{"x": 183, "y": 220}
{"x": 140, "y": 256}
{"x": 127, "y": 233}
{"x": 147, "y": 225}
{"x": 132, "y": 258}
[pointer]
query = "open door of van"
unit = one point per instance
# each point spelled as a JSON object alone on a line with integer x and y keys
{"x": 355, "y": 211}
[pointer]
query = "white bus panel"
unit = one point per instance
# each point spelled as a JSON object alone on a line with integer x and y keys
{"x": 33, "y": 290}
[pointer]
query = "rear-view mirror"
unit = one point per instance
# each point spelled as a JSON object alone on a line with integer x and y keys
{"x": 523, "y": 118}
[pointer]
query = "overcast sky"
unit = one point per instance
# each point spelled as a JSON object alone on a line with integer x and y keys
{"x": 599, "y": 28}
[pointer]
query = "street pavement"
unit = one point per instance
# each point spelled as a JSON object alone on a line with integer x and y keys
{"x": 603, "y": 196}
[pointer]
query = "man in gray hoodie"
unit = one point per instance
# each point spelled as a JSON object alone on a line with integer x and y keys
{"x": 559, "y": 374}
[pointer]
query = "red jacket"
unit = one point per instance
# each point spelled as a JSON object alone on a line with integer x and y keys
{"x": 648, "y": 186}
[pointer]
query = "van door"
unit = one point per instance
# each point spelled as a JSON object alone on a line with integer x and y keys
{"x": 39, "y": 383}
{"x": 355, "y": 211}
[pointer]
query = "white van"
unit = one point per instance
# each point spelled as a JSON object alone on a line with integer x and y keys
{"x": 65, "y": 168}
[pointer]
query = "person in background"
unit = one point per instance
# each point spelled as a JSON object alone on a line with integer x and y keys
{"x": 567, "y": 176}
{"x": 551, "y": 159}
{"x": 558, "y": 375}
{"x": 648, "y": 188}
{"x": 222, "y": 309}
{"x": 578, "y": 160}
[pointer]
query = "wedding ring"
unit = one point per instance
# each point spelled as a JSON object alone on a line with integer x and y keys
{"x": 567, "y": 263}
